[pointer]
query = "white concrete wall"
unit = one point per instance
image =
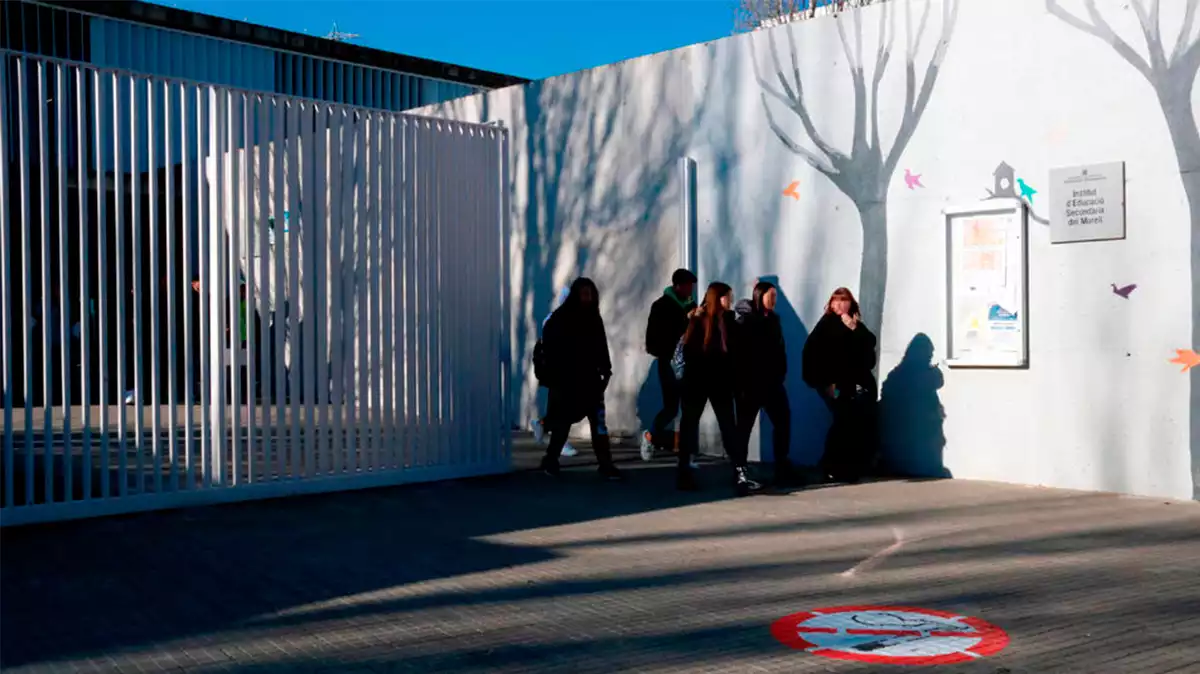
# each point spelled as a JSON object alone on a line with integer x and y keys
{"x": 596, "y": 192}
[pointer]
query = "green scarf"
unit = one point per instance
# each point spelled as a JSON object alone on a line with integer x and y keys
{"x": 687, "y": 305}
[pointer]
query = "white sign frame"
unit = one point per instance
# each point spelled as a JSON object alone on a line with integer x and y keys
{"x": 1110, "y": 185}
{"x": 1013, "y": 216}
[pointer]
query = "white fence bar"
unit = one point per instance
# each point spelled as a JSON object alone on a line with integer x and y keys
{"x": 279, "y": 317}
{"x": 24, "y": 134}
{"x": 187, "y": 194}
{"x": 135, "y": 225}
{"x": 322, "y": 310}
{"x": 262, "y": 174}
{"x": 155, "y": 320}
{"x": 45, "y": 291}
{"x": 99, "y": 105}
{"x": 85, "y": 270}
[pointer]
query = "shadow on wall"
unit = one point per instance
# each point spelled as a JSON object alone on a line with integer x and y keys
{"x": 810, "y": 418}
{"x": 589, "y": 205}
{"x": 912, "y": 416}
{"x": 649, "y": 398}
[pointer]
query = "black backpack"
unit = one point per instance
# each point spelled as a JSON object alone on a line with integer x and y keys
{"x": 539, "y": 364}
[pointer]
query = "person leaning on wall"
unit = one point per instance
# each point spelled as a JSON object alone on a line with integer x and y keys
{"x": 839, "y": 357}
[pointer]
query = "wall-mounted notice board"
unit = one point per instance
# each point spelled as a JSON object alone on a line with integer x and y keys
{"x": 986, "y": 294}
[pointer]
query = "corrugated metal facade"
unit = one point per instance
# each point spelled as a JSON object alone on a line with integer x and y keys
{"x": 35, "y": 28}
{"x": 167, "y": 53}
{"x": 45, "y": 30}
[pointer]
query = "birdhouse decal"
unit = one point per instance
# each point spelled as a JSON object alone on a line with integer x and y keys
{"x": 1005, "y": 180}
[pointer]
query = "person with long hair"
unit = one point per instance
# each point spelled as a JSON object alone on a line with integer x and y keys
{"x": 839, "y": 357}
{"x": 709, "y": 376}
{"x": 577, "y": 370}
{"x": 762, "y": 370}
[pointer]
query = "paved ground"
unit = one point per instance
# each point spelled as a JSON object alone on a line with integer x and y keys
{"x": 520, "y": 573}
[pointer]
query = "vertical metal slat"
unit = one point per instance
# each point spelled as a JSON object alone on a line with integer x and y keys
{"x": 279, "y": 318}
{"x": 7, "y": 289}
{"x": 172, "y": 286}
{"x": 320, "y": 278}
{"x": 155, "y": 318}
{"x": 121, "y": 296}
{"x": 135, "y": 223}
{"x": 233, "y": 208}
{"x": 26, "y": 272}
{"x": 308, "y": 339}
{"x": 81, "y": 184}
{"x": 335, "y": 237}
{"x": 262, "y": 174}
{"x": 246, "y": 239}
{"x": 293, "y": 199}
{"x": 47, "y": 354}
{"x": 186, "y": 195}
{"x": 99, "y": 83}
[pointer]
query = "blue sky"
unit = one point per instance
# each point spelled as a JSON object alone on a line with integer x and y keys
{"x": 529, "y": 38}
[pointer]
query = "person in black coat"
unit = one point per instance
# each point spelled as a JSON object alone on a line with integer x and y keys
{"x": 839, "y": 357}
{"x": 577, "y": 369}
{"x": 667, "y": 322}
{"x": 761, "y": 371}
{"x": 710, "y": 376}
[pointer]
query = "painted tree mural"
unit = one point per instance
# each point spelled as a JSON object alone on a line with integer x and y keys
{"x": 1170, "y": 66}
{"x": 864, "y": 172}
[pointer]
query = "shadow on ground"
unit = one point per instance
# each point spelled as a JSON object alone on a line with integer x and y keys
{"x": 166, "y": 575}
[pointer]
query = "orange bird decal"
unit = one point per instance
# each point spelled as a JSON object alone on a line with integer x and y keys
{"x": 791, "y": 190}
{"x": 1187, "y": 358}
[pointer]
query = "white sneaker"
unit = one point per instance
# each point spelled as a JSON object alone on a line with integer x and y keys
{"x": 539, "y": 431}
{"x": 568, "y": 450}
{"x": 647, "y": 447}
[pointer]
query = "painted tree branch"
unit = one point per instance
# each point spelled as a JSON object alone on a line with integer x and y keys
{"x": 1185, "y": 30}
{"x": 865, "y": 157}
{"x": 882, "y": 56}
{"x": 915, "y": 106}
{"x": 1099, "y": 28}
{"x": 859, "y": 141}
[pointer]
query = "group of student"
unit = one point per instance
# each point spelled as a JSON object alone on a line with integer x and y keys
{"x": 732, "y": 356}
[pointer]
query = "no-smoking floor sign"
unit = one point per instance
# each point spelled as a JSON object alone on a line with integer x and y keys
{"x": 890, "y": 634}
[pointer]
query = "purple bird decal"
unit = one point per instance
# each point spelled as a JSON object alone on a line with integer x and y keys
{"x": 913, "y": 180}
{"x": 1125, "y": 291}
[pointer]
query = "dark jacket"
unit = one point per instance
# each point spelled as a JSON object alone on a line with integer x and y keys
{"x": 576, "y": 352}
{"x": 834, "y": 354}
{"x": 763, "y": 354}
{"x": 711, "y": 369}
{"x": 667, "y": 323}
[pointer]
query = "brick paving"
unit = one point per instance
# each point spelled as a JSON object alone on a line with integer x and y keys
{"x": 523, "y": 574}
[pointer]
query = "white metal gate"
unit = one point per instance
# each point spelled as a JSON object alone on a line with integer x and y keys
{"x": 212, "y": 294}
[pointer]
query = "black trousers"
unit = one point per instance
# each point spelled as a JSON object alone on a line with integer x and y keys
{"x": 694, "y": 398}
{"x": 774, "y": 401}
{"x": 563, "y": 409}
{"x": 661, "y": 434}
{"x": 851, "y": 445}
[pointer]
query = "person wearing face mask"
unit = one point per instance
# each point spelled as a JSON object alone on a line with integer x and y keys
{"x": 838, "y": 360}
{"x": 762, "y": 369}
{"x": 708, "y": 350}
{"x": 577, "y": 368}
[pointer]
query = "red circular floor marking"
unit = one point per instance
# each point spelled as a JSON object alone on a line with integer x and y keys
{"x": 890, "y": 634}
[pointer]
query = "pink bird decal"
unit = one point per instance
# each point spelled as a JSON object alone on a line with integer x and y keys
{"x": 913, "y": 180}
{"x": 1123, "y": 291}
